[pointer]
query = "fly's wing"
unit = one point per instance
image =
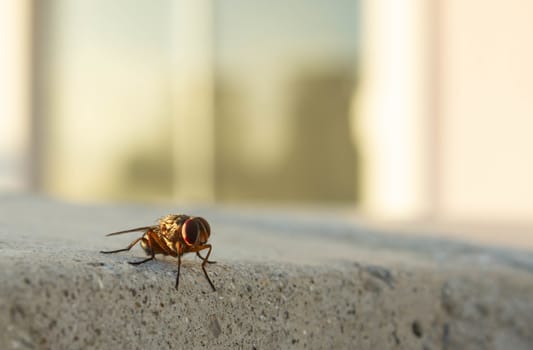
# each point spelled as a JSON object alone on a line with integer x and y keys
{"x": 145, "y": 228}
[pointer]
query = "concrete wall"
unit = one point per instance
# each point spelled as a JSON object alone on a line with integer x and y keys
{"x": 284, "y": 280}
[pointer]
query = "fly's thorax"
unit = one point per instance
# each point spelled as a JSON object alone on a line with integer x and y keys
{"x": 169, "y": 226}
{"x": 173, "y": 220}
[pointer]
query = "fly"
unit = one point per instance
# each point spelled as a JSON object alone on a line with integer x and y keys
{"x": 174, "y": 235}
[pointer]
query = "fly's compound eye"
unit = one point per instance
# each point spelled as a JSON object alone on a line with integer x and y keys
{"x": 204, "y": 225}
{"x": 189, "y": 232}
{"x": 205, "y": 230}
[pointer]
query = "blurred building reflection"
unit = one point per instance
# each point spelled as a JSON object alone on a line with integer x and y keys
{"x": 409, "y": 109}
{"x": 196, "y": 100}
{"x": 316, "y": 159}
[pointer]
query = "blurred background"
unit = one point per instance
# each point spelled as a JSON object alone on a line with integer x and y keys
{"x": 409, "y": 111}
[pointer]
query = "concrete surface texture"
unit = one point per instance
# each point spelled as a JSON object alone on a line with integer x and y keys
{"x": 284, "y": 280}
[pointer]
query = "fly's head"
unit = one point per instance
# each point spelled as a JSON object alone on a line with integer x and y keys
{"x": 195, "y": 231}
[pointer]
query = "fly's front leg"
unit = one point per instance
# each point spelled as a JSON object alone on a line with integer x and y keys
{"x": 178, "y": 275}
{"x": 205, "y": 261}
{"x": 179, "y": 250}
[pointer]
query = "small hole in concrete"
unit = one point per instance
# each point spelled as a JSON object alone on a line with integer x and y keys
{"x": 417, "y": 329}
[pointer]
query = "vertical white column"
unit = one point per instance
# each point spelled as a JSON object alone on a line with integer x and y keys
{"x": 14, "y": 93}
{"x": 391, "y": 121}
{"x": 193, "y": 100}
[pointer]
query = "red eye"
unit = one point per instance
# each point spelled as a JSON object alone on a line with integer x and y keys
{"x": 204, "y": 225}
{"x": 189, "y": 231}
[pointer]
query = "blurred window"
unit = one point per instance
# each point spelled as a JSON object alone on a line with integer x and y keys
{"x": 121, "y": 90}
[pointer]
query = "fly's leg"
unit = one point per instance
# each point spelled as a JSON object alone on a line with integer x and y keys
{"x": 122, "y": 250}
{"x": 204, "y": 259}
{"x": 152, "y": 256}
{"x": 178, "y": 275}
{"x": 207, "y": 246}
{"x": 135, "y": 263}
